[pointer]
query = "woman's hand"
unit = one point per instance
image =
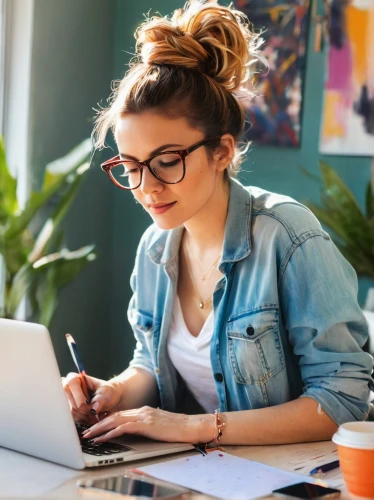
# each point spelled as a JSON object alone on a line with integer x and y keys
{"x": 155, "y": 424}
{"x": 106, "y": 398}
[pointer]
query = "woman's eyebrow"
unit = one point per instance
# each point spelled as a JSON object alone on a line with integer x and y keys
{"x": 124, "y": 156}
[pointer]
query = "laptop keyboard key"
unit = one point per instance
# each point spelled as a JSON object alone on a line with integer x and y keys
{"x": 99, "y": 449}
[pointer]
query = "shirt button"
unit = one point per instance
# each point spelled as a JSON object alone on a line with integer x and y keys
{"x": 250, "y": 331}
{"x": 218, "y": 377}
{"x": 157, "y": 371}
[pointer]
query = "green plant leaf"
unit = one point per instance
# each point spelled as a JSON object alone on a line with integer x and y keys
{"x": 16, "y": 254}
{"x": 73, "y": 263}
{"x": 356, "y": 228}
{"x": 31, "y": 269}
{"x": 67, "y": 263}
{"x": 58, "y": 269}
{"x": 361, "y": 261}
{"x": 342, "y": 212}
{"x": 325, "y": 217}
{"x": 8, "y": 188}
{"x": 57, "y": 177}
{"x": 21, "y": 284}
{"x": 310, "y": 175}
{"x": 352, "y": 232}
{"x": 369, "y": 201}
{"x": 337, "y": 190}
{"x": 47, "y": 297}
{"x": 46, "y": 238}
{"x": 60, "y": 168}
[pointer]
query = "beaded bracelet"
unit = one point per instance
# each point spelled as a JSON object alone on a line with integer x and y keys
{"x": 219, "y": 424}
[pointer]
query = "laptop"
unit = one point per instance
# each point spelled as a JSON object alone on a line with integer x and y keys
{"x": 34, "y": 412}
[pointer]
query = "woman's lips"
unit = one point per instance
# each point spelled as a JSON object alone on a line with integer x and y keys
{"x": 161, "y": 209}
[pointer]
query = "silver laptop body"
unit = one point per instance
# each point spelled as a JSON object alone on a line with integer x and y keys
{"x": 34, "y": 413}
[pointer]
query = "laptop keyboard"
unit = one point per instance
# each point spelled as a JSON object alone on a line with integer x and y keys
{"x": 99, "y": 449}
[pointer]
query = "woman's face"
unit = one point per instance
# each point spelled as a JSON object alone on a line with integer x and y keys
{"x": 138, "y": 136}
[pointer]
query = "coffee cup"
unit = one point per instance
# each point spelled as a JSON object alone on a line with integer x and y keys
{"x": 355, "y": 441}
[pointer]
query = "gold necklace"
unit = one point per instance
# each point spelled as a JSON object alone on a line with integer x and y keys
{"x": 207, "y": 273}
{"x": 204, "y": 277}
{"x": 203, "y": 303}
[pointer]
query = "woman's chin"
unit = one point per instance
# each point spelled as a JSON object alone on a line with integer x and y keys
{"x": 165, "y": 224}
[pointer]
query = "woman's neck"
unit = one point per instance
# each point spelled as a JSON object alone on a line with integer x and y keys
{"x": 204, "y": 233}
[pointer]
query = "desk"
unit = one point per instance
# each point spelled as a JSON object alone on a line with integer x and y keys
{"x": 299, "y": 458}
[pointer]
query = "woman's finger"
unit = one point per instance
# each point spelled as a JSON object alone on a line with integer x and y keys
{"x": 73, "y": 381}
{"x": 79, "y": 417}
{"x": 105, "y": 398}
{"x": 127, "y": 428}
{"x": 69, "y": 397}
{"x": 109, "y": 423}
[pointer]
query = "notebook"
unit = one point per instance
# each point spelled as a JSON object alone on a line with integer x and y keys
{"x": 35, "y": 414}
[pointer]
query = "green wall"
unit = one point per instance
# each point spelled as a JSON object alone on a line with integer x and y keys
{"x": 275, "y": 169}
{"x": 71, "y": 69}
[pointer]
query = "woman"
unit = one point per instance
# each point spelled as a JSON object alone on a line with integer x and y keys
{"x": 241, "y": 300}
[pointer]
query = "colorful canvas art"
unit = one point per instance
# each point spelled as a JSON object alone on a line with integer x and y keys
{"x": 274, "y": 114}
{"x": 348, "y": 113}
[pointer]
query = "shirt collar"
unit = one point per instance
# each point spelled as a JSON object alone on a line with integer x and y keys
{"x": 164, "y": 245}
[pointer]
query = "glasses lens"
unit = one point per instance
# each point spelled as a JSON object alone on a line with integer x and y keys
{"x": 168, "y": 167}
{"x": 127, "y": 174}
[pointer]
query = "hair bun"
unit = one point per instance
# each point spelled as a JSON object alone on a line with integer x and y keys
{"x": 206, "y": 37}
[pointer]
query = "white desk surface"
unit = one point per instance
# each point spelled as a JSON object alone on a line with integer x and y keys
{"x": 300, "y": 458}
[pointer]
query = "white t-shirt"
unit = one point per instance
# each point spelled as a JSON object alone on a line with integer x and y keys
{"x": 191, "y": 357}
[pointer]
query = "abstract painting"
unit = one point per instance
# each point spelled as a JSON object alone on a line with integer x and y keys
{"x": 274, "y": 114}
{"x": 348, "y": 113}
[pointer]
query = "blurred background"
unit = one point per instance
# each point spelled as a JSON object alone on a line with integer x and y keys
{"x": 58, "y": 60}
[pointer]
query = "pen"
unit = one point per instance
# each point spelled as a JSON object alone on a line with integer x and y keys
{"x": 200, "y": 450}
{"x": 325, "y": 467}
{"x": 88, "y": 394}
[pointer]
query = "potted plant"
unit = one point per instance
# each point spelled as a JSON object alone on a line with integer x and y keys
{"x": 351, "y": 228}
{"x": 35, "y": 267}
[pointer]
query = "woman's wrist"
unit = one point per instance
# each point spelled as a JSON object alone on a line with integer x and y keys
{"x": 202, "y": 428}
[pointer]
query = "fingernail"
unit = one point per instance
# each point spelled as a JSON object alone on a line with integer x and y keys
{"x": 95, "y": 407}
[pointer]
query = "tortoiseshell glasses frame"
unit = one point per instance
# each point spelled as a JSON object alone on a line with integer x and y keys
{"x": 109, "y": 165}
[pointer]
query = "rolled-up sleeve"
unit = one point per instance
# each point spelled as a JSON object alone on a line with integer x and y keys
{"x": 327, "y": 328}
{"x": 142, "y": 357}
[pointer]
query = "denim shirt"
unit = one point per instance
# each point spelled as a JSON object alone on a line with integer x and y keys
{"x": 286, "y": 318}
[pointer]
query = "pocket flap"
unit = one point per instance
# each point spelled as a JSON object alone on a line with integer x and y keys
{"x": 251, "y": 325}
{"x": 144, "y": 322}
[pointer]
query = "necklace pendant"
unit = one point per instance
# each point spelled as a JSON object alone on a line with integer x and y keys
{"x": 203, "y": 278}
{"x": 201, "y": 305}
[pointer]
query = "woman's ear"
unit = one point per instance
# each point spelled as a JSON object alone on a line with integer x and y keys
{"x": 224, "y": 153}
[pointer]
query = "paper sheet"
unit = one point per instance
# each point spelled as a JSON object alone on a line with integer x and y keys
{"x": 25, "y": 476}
{"x": 224, "y": 476}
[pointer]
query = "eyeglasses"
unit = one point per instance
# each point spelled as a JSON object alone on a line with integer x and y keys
{"x": 168, "y": 167}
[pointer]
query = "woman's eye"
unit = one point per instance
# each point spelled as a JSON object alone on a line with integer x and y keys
{"x": 169, "y": 163}
{"x": 128, "y": 171}
{"x": 166, "y": 161}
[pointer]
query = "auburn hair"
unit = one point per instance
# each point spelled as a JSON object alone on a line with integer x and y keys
{"x": 196, "y": 64}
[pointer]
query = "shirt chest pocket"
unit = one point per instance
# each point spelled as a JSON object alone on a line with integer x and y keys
{"x": 255, "y": 349}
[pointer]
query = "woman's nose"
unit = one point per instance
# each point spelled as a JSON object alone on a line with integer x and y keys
{"x": 150, "y": 183}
